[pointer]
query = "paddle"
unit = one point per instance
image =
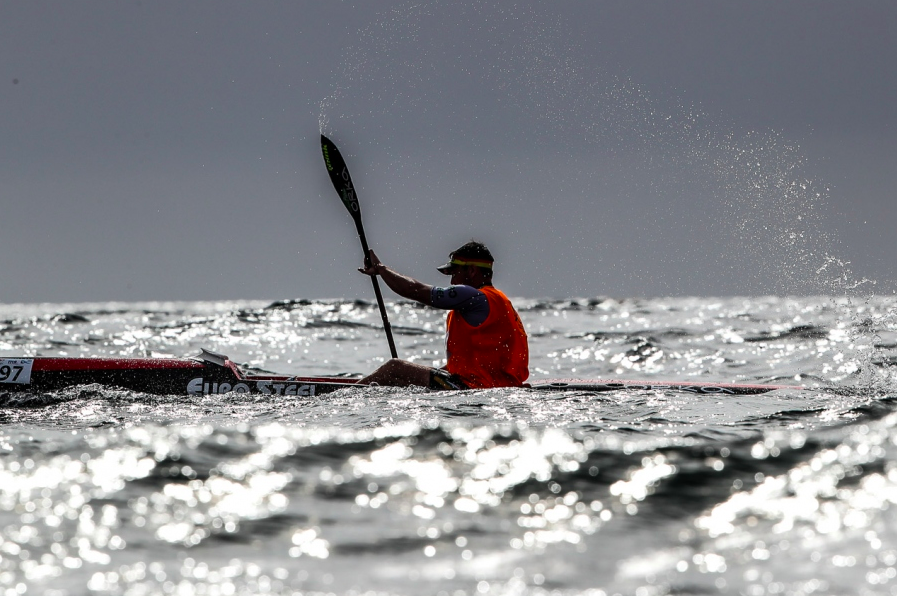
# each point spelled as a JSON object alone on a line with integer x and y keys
{"x": 342, "y": 182}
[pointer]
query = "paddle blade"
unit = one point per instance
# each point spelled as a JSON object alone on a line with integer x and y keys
{"x": 339, "y": 176}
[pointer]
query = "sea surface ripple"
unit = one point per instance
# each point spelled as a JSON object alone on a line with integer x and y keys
{"x": 511, "y": 491}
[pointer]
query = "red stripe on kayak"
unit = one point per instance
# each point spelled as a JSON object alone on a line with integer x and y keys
{"x": 61, "y": 364}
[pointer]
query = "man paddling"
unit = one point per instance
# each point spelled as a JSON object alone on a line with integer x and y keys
{"x": 486, "y": 343}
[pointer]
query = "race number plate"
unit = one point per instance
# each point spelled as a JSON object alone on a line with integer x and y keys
{"x": 15, "y": 370}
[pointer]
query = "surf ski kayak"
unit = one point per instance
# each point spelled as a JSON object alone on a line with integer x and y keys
{"x": 211, "y": 373}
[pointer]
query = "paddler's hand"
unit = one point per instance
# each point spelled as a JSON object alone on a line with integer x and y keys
{"x": 404, "y": 286}
{"x": 372, "y": 265}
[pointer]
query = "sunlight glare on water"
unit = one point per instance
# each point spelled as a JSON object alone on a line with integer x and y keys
{"x": 491, "y": 491}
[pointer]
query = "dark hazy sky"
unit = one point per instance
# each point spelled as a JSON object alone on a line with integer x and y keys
{"x": 167, "y": 150}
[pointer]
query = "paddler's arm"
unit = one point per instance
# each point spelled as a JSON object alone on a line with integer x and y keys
{"x": 404, "y": 286}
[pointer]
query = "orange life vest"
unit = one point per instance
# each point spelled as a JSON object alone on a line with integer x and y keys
{"x": 493, "y": 354}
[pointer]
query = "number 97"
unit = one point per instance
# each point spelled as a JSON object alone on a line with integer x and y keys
{"x": 6, "y": 371}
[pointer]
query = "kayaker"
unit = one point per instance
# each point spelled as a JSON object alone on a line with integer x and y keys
{"x": 486, "y": 343}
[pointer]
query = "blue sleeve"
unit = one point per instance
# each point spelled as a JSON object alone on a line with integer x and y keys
{"x": 467, "y": 301}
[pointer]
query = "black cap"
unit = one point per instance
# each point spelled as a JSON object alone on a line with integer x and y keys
{"x": 472, "y": 253}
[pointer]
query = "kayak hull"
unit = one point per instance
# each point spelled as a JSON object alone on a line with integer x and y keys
{"x": 211, "y": 373}
{"x": 207, "y": 374}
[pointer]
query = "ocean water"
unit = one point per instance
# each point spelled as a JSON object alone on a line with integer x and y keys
{"x": 396, "y": 491}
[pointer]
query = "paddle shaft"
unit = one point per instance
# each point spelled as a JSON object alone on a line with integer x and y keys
{"x": 367, "y": 261}
{"x": 342, "y": 182}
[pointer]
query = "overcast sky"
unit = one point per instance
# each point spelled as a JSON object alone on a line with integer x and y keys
{"x": 168, "y": 150}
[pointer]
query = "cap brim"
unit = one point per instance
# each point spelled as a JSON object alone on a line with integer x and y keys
{"x": 445, "y": 269}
